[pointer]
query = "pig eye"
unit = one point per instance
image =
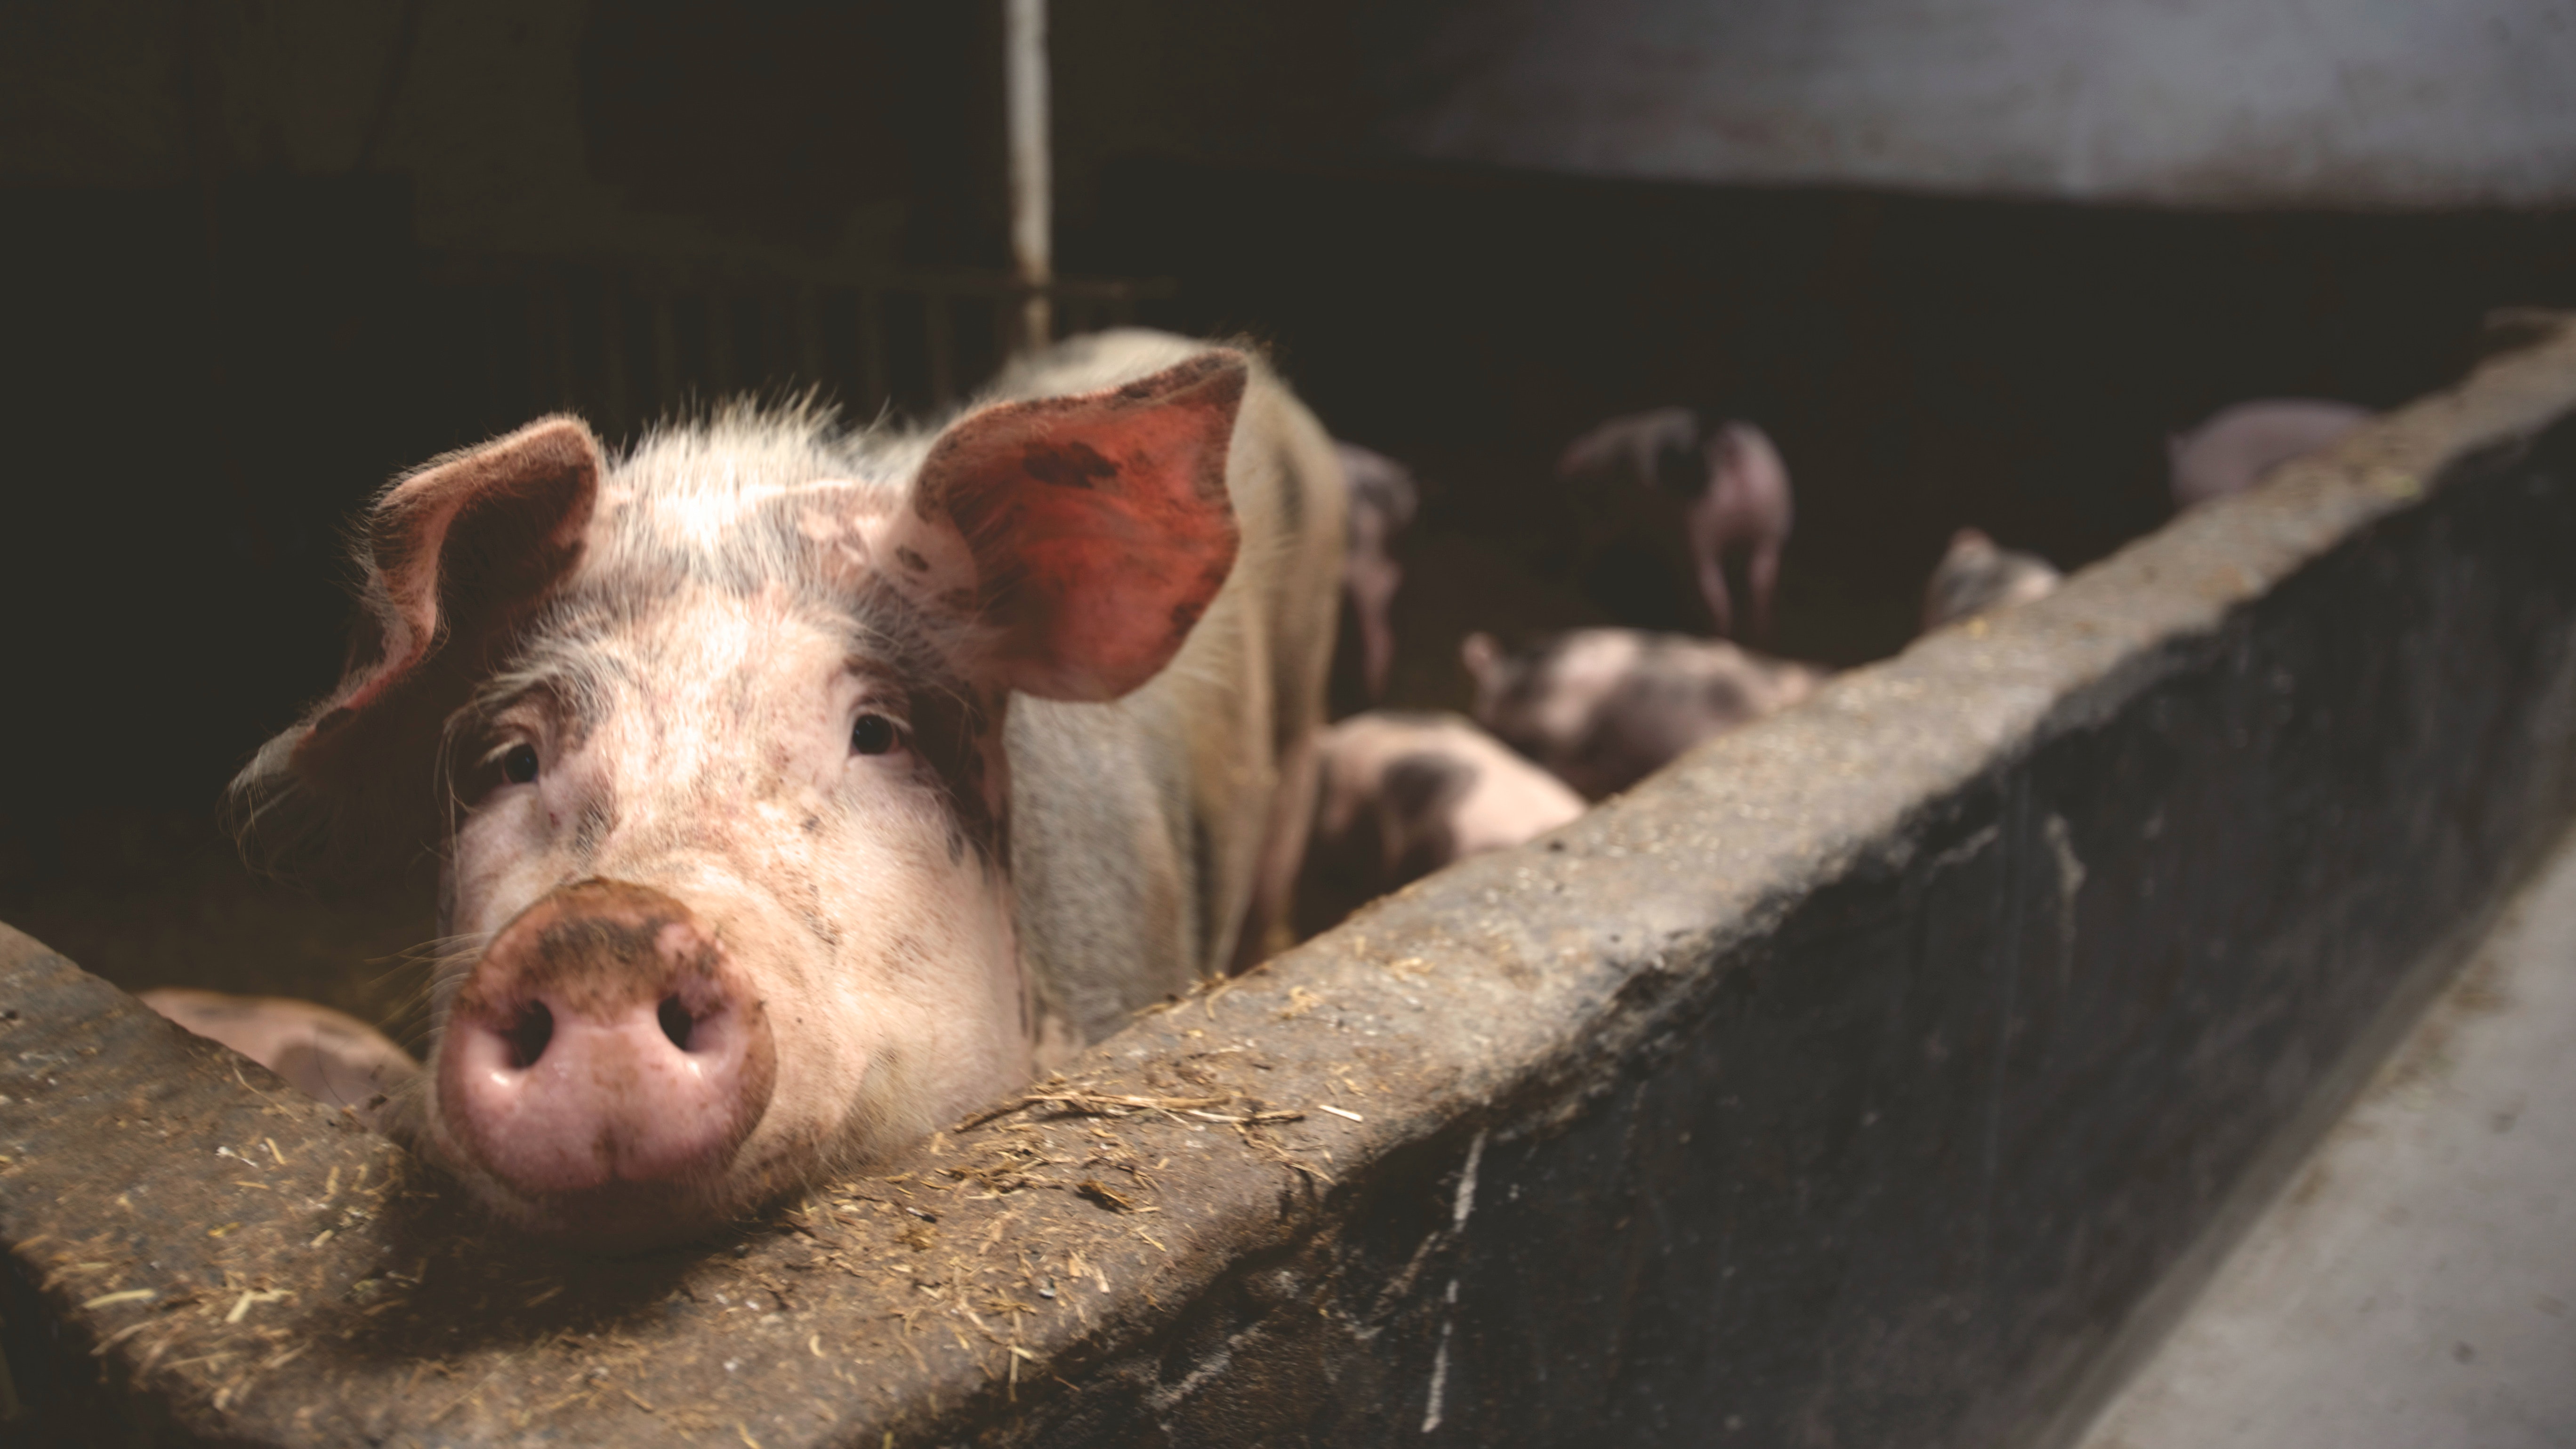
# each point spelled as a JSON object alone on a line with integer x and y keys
{"x": 873, "y": 734}
{"x": 519, "y": 766}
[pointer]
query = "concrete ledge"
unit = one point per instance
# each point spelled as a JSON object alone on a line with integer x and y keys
{"x": 1854, "y": 1081}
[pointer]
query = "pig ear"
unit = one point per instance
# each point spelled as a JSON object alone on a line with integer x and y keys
{"x": 455, "y": 555}
{"x": 457, "y": 549}
{"x": 1094, "y": 529}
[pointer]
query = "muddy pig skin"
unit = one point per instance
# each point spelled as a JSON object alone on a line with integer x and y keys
{"x": 2237, "y": 446}
{"x": 793, "y": 789}
{"x": 1602, "y": 709}
{"x": 1383, "y": 500}
{"x": 1402, "y": 795}
{"x": 1977, "y": 576}
{"x": 1733, "y": 487}
{"x": 328, "y": 1055}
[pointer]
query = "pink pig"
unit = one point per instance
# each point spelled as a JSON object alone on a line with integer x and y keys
{"x": 2237, "y": 446}
{"x": 1732, "y": 483}
{"x": 329, "y": 1055}
{"x": 1402, "y": 795}
{"x": 1746, "y": 504}
{"x": 795, "y": 789}
{"x": 1602, "y": 709}
{"x": 1977, "y": 575}
{"x": 1383, "y": 500}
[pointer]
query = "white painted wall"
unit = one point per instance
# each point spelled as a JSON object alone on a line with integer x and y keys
{"x": 2335, "y": 103}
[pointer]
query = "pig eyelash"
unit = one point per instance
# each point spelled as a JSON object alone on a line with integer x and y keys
{"x": 512, "y": 762}
{"x": 500, "y": 759}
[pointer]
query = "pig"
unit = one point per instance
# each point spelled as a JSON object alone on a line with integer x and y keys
{"x": 1746, "y": 502}
{"x": 1602, "y": 709}
{"x": 1400, "y": 795}
{"x": 795, "y": 792}
{"x": 1731, "y": 481}
{"x": 1383, "y": 500}
{"x": 1655, "y": 450}
{"x": 2237, "y": 446}
{"x": 1978, "y": 576}
{"x": 328, "y": 1055}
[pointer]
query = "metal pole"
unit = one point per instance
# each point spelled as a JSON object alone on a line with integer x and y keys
{"x": 1032, "y": 224}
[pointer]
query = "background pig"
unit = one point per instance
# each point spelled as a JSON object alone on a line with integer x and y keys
{"x": 1604, "y": 708}
{"x": 1977, "y": 575}
{"x": 1401, "y": 795}
{"x": 329, "y": 1055}
{"x": 1383, "y": 500}
{"x": 1745, "y": 504}
{"x": 1626, "y": 484}
{"x": 1731, "y": 483}
{"x": 2236, "y": 446}
{"x": 1655, "y": 449}
{"x": 790, "y": 787}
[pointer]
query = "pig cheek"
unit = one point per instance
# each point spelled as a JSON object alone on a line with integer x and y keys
{"x": 503, "y": 861}
{"x": 936, "y": 979}
{"x": 809, "y": 918}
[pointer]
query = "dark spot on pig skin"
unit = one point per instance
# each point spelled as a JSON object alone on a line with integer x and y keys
{"x": 820, "y": 927}
{"x": 1523, "y": 679}
{"x": 592, "y": 960}
{"x": 1726, "y": 698}
{"x": 592, "y": 828}
{"x": 906, "y": 954}
{"x": 954, "y": 723}
{"x": 1421, "y": 789}
{"x": 1422, "y": 782}
{"x": 1185, "y": 615}
{"x": 912, "y": 560}
{"x": 813, "y": 824}
{"x": 1067, "y": 465}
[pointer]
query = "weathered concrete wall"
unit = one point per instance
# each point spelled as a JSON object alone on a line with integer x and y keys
{"x": 2317, "y": 103}
{"x": 1855, "y": 1081}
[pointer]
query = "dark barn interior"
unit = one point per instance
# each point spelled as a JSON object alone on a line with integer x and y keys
{"x": 1968, "y": 263}
{"x": 263, "y": 258}
{"x": 238, "y": 310}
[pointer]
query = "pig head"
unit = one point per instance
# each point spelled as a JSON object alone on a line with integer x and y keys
{"x": 710, "y": 744}
{"x": 1977, "y": 575}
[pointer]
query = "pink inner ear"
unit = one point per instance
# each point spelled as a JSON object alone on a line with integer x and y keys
{"x": 1100, "y": 526}
{"x": 462, "y": 546}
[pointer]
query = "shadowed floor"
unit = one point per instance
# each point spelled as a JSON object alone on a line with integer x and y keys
{"x": 2415, "y": 1286}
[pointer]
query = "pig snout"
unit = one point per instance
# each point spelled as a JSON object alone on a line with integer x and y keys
{"x": 604, "y": 1042}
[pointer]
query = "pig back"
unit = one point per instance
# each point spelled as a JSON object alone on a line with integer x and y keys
{"x": 1139, "y": 827}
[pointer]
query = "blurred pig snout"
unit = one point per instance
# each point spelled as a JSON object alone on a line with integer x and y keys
{"x": 604, "y": 1043}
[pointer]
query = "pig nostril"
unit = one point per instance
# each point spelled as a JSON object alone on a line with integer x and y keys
{"x": 529, "y": 1034}
{"x": 677, "y": 1024}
